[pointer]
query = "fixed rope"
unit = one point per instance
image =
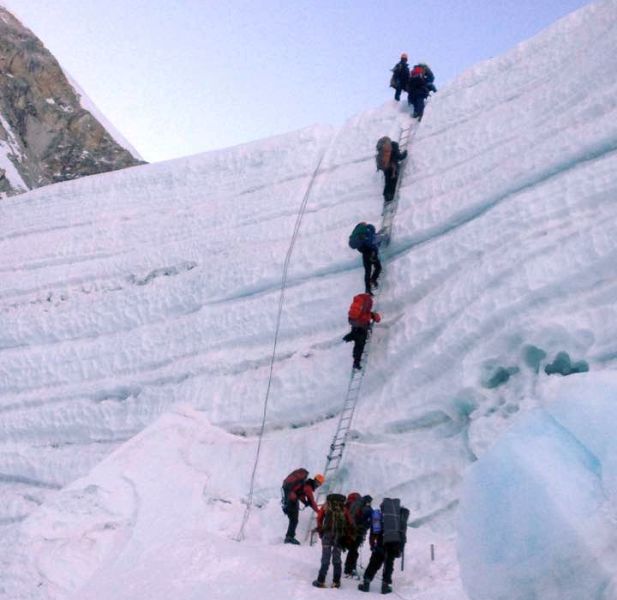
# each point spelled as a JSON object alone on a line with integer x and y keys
{"x": 292, "y": 243}
{"x": 339, "y": 441}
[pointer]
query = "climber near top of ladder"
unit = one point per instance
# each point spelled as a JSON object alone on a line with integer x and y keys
{"x": 419, "y": 86}
{"x": 388, "y": 158}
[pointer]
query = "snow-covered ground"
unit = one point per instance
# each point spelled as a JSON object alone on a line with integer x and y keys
{"x": 154, "y": 291}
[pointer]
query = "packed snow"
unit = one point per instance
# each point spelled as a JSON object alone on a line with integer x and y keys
{"x": 137, "y": 319}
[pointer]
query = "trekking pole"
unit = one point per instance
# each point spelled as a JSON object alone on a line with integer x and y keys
{"x": 403, "y": 560}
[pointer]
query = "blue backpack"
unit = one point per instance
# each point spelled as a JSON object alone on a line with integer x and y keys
{"x": 363, "y": 236}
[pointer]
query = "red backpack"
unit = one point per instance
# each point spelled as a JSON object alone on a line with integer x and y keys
{"x": 359, "y": 314}
{"x": 299, "y": 476}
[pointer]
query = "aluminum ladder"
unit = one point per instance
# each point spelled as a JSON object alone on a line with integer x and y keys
{"x": 337, "y": 447}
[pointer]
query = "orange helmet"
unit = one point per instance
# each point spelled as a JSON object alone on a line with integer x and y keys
{"x": 319, "y": 478}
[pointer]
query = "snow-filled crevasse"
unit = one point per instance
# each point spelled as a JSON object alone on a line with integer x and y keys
{"x": 126, "y": 294}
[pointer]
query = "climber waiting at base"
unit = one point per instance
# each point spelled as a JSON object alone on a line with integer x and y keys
{"x": 298, "y": 487}
{"x": 420, "y": 85}
{"x": 361, "y": 318}
{"x": 387, "y": 540}
{"x": 360, "y": 513}
{"x": 388, "y": 157}
{"x": 334, "y": 526}
{"x": 366, "y": 240}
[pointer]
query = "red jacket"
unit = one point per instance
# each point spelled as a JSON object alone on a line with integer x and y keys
{"x": 304, "y": 493}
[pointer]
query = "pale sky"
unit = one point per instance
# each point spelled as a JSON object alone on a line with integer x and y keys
{"x": 179, "y": 77}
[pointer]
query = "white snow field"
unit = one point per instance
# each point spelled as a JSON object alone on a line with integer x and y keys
{"x": 137, "y": 318}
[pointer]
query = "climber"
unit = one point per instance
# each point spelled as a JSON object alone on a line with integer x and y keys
{"x": 361, "y": 318}
{"x": 419, "y": 86}
{"x": 366, "y": 240}
{"x": 360, "y": 512}
{"x": 334, "y": 526}
{"x": 298, "y": 487}
{"x": 388, "y": 158}
{"x": 400, "y": 76}
{"x": 387, "y": 541}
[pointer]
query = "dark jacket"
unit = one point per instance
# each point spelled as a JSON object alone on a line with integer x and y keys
{"x": 421, "y": 86}
{"x": 400, "y": 75}
{"x": 397, "y": 155}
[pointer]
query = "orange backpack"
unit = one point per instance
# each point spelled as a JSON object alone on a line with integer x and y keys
{"x": 359, "y": 314}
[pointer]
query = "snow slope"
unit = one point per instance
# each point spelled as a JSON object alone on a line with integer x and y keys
{"x": 128, "y": 293}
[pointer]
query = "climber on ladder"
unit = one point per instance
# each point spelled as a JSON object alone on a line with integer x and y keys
{"x": 361, "y": 318}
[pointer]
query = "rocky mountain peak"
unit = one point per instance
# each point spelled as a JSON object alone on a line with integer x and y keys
{"x": 46, "y": 135}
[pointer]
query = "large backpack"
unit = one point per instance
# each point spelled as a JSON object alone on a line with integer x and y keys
{"x": 394, "y": 522}
{"x": 334, "y": 517}
{"x": 359, "y": 314}
{"x": 384, "y": 153}
{"x": 299, "y": 476}
{"x": 362, "y": 236}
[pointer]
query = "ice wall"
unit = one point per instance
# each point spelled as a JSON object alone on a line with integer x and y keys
{"x": 538, "y": 511}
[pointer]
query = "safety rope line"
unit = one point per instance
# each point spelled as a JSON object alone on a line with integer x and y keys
{"x": 339, "y": 441}
{"x": 292, "y": 243}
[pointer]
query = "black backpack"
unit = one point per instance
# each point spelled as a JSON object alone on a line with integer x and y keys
{"x": 394, "y": 523}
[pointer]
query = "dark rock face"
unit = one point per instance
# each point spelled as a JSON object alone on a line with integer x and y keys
{"x": 46, "y": 136}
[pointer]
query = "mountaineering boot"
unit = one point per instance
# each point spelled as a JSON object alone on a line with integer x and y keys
{"x": 374, "y": 284}
{"x": 365, "y": 586}
{"x": 386, "y": 588}
{"x": 292, "y": 540}
{"x": 357, "y": 365}
{"x": 348, "y": 337}
{"x": 319, "y": 584}
{"x": 336, "y": 584}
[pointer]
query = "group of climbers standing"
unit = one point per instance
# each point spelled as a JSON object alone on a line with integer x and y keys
{"x": 343, "y": 523}
{"x": 417, "y": 82}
